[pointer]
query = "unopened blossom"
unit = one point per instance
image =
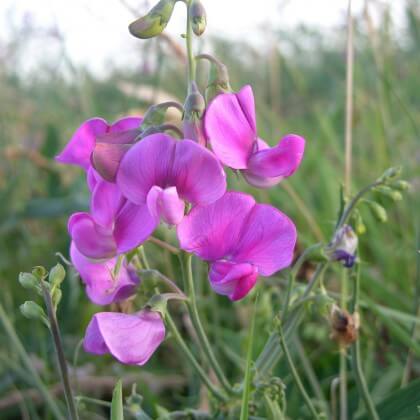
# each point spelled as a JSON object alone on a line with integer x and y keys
{"x": 164, "y": 173}
{"x": 130, "y": 338}
{"x": 230, "y": 126}
{"x": 105, "y": 283}
{"x": 343, "y": 247}
{"x": 101, "y": 144}
{"x": 240, "y": 239}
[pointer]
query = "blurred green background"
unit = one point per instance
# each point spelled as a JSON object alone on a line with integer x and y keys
{"x": 299, "y": 88}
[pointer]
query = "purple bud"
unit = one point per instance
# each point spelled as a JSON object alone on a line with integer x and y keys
{"x": 343, "y": 247}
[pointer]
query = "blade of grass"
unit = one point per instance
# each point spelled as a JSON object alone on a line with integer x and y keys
{"x": 117, "y": 411}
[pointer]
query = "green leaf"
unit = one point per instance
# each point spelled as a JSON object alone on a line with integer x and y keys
{"x": 401, "y": 405}
{"x": 117, "y": 403}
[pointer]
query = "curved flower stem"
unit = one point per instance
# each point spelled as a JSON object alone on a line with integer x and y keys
{"x": 172, "y": 249}
{"x": 193, "y": 311}
{"x": 203, "y": 376}
{"x": 355, "y": 356}
{"x": 295, "y": 374}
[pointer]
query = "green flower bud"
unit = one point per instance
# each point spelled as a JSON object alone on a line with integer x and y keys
{"x": 389, "y": 192}
{"x": 154, "y": 22}
{"x": 378, "y": 211}
{"x": 198, "y": 17}
{"x": 32, "y": 310}
{"x": 400, "y": 185}
{"x": 57, "y": 275}
{"x": 39, "y": 272}
{"x": 155, "y": 116}
{"x": 29, "y": 281}
{"x": 359, "y": 225}
{"x": 158, "y": 303}
{"x": 391, "y": 173}
{"x": 56, "y": 296}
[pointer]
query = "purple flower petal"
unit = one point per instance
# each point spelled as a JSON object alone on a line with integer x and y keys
{"x": 131, "y": 339}
{"x": 231, "y": 279}
{"x": 102, "y": 287}
{"x": 91, "y": 239}
{"x": 105, "y": 202}
{"x": 279, "y": 161}
{"x": 80, "y": 146}
{"x": 267, "y": 240}
{"x": 126, "y": 123}
{"x": 166, "y": 204}
{"x": 229, "y": 123}
{"x": 212, "y": 232}
{"x": 133, "y": 225}
{"x": 146, "y": 164}
{"x": 196, "y": 173}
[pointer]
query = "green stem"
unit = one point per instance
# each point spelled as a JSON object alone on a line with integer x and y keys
{"x": 195, "y": 319}
{"x": 183, "y": 346}
{"x": 17, "y": 344}
{"x": 58, "y": 344}
{"x": 356, "y": 359}
{"x": 188, "y": 38}
{"x": 295, "y": 374}
{"x": 343, "y": 354}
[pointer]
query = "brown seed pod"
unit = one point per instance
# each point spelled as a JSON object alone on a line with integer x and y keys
{"x": 345, "y": 326}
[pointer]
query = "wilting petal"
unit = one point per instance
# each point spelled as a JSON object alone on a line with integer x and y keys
{"x": 91, "y": 239}
{"x": 279, "y": 161}
{"x": 126, "y": 123}
{"x": 212, "y": 232}
{"x": 146, "y": 164}
{"x": 267, "y": 240}
{"x": 105, "y": 203}
{"x": 133, "y": 225}
{"x": 102, "y": 287}
{"x": 198, "y": 176}
{"x": 131, "y": 339}
{"x": 166, "y": 204}
{"x": 80, "y": 147}
{"x": 229, "y": 124}
{"x": 231, "y": 279}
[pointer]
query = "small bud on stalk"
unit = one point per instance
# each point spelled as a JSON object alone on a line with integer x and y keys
{"x": 198, "y": 17}
{"x": 359, "y": 225}
{"x": 29, "y": 281}
{"x": 193, "y": 112}
{"x": 389, "y": 192}
{"x": 154, "y": 22}
{"x": 345, "y": 326}
{"x": 343, "y": 246}
{"x": 391, "y": 173}
{"x": 57, "y": 275}
{"x": 378, "y": 211}
{"x": 400, "y": 185}
{"x": 32, "y": 310}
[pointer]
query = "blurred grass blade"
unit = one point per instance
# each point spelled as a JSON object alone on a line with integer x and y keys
{"x": 117, "y": 403}
{"x": 247, "y": 380}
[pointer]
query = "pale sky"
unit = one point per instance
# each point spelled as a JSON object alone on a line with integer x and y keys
{"x": 96, "y": 30}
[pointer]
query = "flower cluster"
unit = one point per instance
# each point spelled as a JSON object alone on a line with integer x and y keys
{"x": 138, "y": 180}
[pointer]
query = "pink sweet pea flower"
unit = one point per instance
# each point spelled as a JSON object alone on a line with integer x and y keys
{"x": 113, "y": 226}
{"x": 241, "y": 239}
{"x": 230, "y": 126}
{"x": 163, "y": 173}
{"x": 131, "y": 339}
{"x": 101, "y": 143}
{"x": 103, "y": 286}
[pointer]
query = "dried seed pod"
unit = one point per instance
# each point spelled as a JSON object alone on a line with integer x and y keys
{"x": 345, "y": 326}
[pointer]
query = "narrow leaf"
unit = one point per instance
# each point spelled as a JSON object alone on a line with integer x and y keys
{"x": 117, "y": 403}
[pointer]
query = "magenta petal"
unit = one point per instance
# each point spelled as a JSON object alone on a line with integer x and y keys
{"x": 126, "y": 123}
{"x": 166, "y": 204}
{"x": 105, "y": 203}
{"x": 146, "y": 164}
{"x": 92, "y": 178}
{"x": 231, "y": 279}
{"x": 102, "y": 287}
{"x": 229, "y": 123}
{"x": 261, "y": 181}
{"x": 267, "y": 240}
{"x": 91, "y": 239}
{"x": 279, "y": 161}
{"x": 80, "y": 147}
{"x": 133, "y": 225}
{"x": 212, "y": 232}
{"x": 198, "y": 176}
{"x": 131, "y": 339}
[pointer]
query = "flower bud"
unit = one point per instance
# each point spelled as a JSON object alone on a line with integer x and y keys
{"x": 154, "y": 22}
{"x": 400, "y": 185}
{"x": 57, "y": 275}
{"x": 193, "y": 112}
{"x": 359, "y": 225}
{"x": 389, "y": 192}
{"x": 345, "y": 326}
{"x": 32, "y": 310}
{"x": 39, "y": 272}
{"x": 198, "y": 17}
{"x": 29, "y": 281}
{"x": 155, "y": 117}
{"x": 343, "y": 246}
{"x": 378, "y": 211}
{"x": 391, "y": 173}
